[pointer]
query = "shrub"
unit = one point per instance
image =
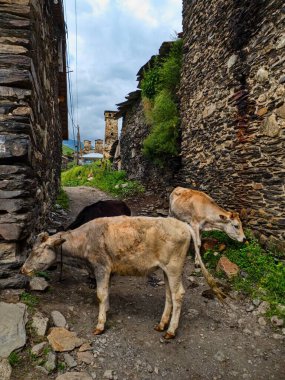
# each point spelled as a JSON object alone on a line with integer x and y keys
{"x": 162, "y": 142}
{"x": 103, "y": 177}
{"x": 159, "y": 87}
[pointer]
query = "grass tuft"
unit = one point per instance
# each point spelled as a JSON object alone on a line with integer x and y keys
{"x": 14, "y": 359}
{"x": 30, "y": 300}
{"x": 262, "y": 274}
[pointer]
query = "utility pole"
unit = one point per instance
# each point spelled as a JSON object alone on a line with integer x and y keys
{"x": 78, "y": 145}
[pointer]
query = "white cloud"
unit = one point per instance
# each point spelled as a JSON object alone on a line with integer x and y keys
{"x": 98, "y": 6}
{"x": 142, "y": 10}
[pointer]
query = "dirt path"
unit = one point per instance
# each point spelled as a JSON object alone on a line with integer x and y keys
{"x": 213, "y": 342}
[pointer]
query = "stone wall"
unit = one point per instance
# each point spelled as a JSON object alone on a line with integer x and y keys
{"x": 32, "y": 121}
{"x": 232, "y": 108}
{"x": 134, "y": 131}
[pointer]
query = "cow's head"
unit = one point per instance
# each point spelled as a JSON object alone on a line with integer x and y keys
{"x": 232, "y": 226}
{"x": 43, "y": 254}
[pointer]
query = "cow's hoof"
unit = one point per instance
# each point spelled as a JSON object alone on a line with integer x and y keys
{"x": 168, "y": 336}
{"x": 159, "y": 328}
{"x": 98, "y": 332}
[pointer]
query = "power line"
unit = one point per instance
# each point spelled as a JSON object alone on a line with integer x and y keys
{"x": 70, "y": 92}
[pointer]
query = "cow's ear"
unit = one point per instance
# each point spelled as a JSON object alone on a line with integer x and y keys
{"x": 42, "y": 237}
{"x": 234, "y": 215}
{"x": 223, "y": 217}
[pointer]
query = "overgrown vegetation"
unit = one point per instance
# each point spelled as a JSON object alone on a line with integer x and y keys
{"x": 159, "y": 89}
{"x": 14, "y": 359}
{"x": 30, "y": 300}
{"x": 62, "y": 199}
{"x": 262, "y": 274}
{"x": 67, "y": 151}
{"x": 103, "y": 177}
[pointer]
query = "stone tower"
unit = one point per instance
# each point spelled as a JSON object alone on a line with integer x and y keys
{"x": 111, "y": 131}
{"x": 87, "y": 146}
{"x": 98, "y": 146}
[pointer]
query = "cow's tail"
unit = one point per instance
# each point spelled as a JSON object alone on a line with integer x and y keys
{"x": 209, "y": 278}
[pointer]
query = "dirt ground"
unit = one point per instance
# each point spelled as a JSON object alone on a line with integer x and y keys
{"x": 212, "y": 342}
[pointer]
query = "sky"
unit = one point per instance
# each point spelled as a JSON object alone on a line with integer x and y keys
{"x": 114, "y": 39}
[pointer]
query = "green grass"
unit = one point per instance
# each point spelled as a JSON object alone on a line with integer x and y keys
{"x": 67, "y": 151}
{"x": 103, "y": 178}
{"x": 262, "y": 274}
{"x": 30, "y": 300}
{"x": 43, "y": 274}
{"x": 14, "y": 359}
{"x": 62, "y": 199}
{"x": 159, "y": 90}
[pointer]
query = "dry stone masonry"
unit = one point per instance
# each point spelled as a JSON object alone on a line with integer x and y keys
{"x": 33, "y": 120}
{"x": 232, "y": 108}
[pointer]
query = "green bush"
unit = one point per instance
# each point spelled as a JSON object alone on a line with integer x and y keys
{"x": 162, "y": 142}
{"x": 159, "y": 90}
{"x": 103, "y": 177}
{"x": 263, "y": 275}
{"x": 150, "y": 82}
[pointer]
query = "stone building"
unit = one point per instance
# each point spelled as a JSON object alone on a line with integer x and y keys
{"x": 111, "y": 131}
{"x": 98, "y": 146}
{"x": 86, "y": 146}
{"x": 134, "y": 131}
{"x": 33, "y": 121}
{"x": 232, "y": 108}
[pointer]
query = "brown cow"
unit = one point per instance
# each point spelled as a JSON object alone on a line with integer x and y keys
{"x": 203, "y": 214}
{"x": 127, "y": 246}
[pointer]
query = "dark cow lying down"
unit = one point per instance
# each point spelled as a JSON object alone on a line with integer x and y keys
{"x": 100, "y": 209}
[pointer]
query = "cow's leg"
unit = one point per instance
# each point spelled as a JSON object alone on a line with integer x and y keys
{"x": 103, "y": 279}
{"x": 177, "y": 294}
{"x": 167, "y": 308}
{"x": 197, "y": 241}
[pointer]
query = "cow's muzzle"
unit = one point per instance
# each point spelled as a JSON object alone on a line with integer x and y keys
{"x": 24, "y": 271}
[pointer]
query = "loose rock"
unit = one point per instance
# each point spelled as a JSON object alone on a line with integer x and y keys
{"x": 50, "y": 363}
{"x": 109, "y": 374}
{"x": 63, "y": 340}
{"x": 220, "y": 356}
{"x": 38, "y": 349}
{"x": 38, "y": 283}
{"x": 74, "y": 376}
{"x": 85, "y": 347}
{"x": 69, "y": 360}
{"x": 58, "y": 319}
{"x": 263, "y": 307}
{"x": 40, "y": 323}
{"x": 277, "y": 321}
{"x": 85, "y": 357}
{"x": 262, "y": 321}
{"x": 228, "y": 267}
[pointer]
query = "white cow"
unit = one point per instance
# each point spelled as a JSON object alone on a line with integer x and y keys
{"x": 127, "y": 246}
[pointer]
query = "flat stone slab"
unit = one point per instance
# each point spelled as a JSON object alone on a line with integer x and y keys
{"x": 12, "y": 327}
{"x": 74, "y": 376}
{"x": 63, "y": 340}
